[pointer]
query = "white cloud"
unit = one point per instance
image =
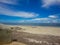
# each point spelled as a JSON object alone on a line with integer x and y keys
{"x": 42, "y": 20}
{"x": 53, "y": 16}
{"x": 35, "y": 20}
{"x": 15, "y": 2}
{"x": 48, "y": 3}
{"x": 26, "y": 14}
{"x": 9, "y": 1}
{"x": 5, "y": 11}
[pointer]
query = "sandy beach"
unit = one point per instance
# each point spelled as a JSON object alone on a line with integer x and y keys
{"x": 41, "y": 30}
{"x": 34, "y": 35}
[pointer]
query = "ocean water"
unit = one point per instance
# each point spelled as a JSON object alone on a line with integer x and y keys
{"x": 35, "y": 24}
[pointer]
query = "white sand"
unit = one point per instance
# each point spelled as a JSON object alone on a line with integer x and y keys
{"x": 15, "y": 43}
{"x": 42, "y": 30}
{"x": 37, "y": 30}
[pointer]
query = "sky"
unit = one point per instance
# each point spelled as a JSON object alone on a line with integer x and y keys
{"x": 30, "y": 11}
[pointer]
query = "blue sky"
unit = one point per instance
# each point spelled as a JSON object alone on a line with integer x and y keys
{"x": 30, "y": 11}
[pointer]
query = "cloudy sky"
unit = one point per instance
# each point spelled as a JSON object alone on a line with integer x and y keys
{"x": 30, "y": 11}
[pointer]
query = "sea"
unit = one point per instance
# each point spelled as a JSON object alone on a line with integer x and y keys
{"x": 35, "y": 24}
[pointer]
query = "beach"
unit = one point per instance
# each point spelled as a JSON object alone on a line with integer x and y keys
{"x": 42, "y": 30}
{"x": 34, "y": 35}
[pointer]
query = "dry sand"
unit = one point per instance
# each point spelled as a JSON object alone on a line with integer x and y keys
{"x": 15, "y": 43}
{"x": 41, "y": 30}
{"x": 35, "y": 30}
